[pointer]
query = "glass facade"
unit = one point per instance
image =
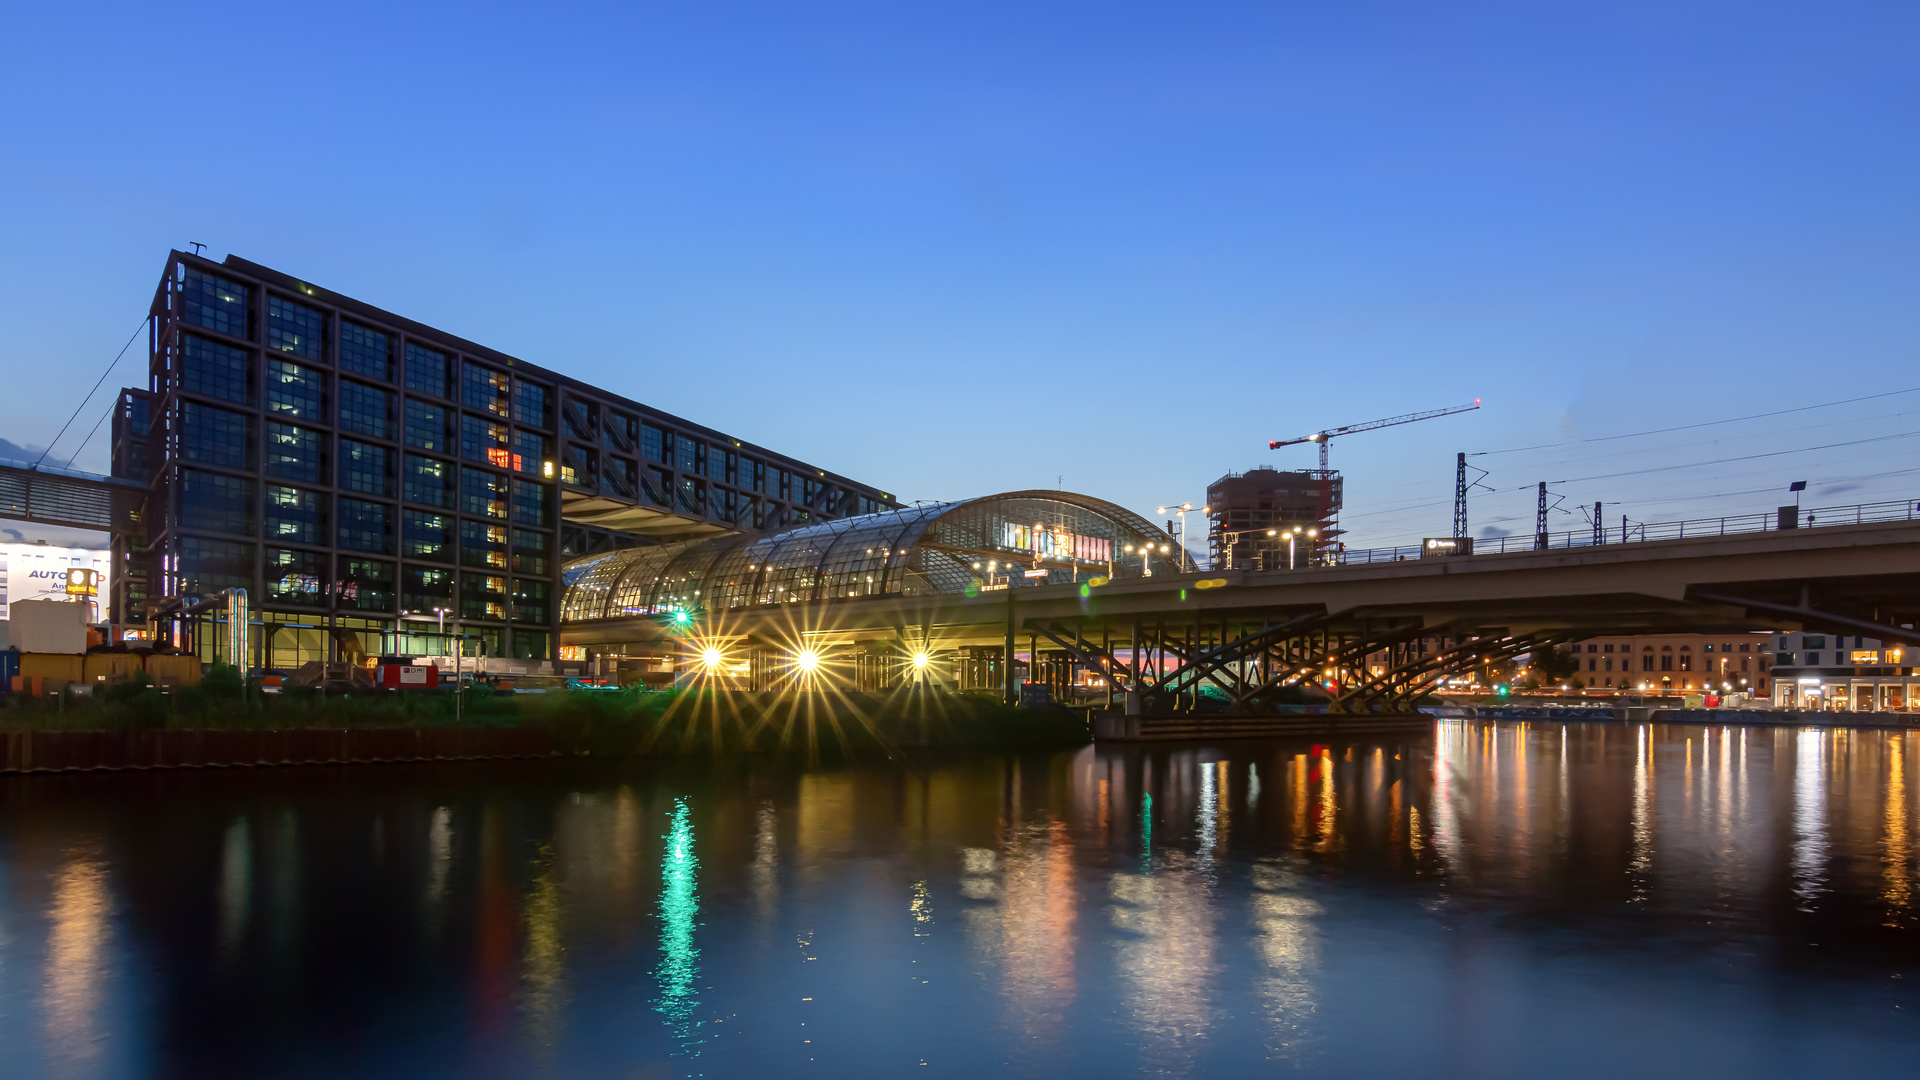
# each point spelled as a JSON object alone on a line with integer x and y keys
{"x": 428, "y": 481}
{"x": 217, "y": 304}
{"x": 382, "y": 470}
{"x": 296, "y": 392}
{"x": 294, "y": 329}
{"x": 295, "y": 516}
{"x": 296, "y": 577}
{"x": 426, "y": 536}
{"x": 214, "y": 436}
{"x": 366, "y": 352}
{"x": 365, "y": 584}
{"x": 427, "y": 427}
{"x": 366, "y": 469}
{"x": 366, "y": 526}
{"x": 428, "y": 370}
{"x": 215, "y": 370}
{"x": 295, "y": 453}
{"x": 365, "y": 409}
{"x": 216, "y": 503}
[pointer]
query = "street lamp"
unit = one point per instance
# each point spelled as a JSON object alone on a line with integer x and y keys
{"x": 1292, "y": 536}
{"x": 1180, "y": 511}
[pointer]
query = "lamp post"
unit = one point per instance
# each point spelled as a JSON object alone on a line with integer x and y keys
{"x": 1180, "y": 511}
{"x": 1293, "y": 535}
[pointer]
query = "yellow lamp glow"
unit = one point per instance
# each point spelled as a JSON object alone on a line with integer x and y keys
{"x": 711, "y": 657}
{"x": 808, "y": 660}
{"x": 921, "y": 660}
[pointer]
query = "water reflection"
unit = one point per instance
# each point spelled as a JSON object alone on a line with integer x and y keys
{"x": 679, "y": 909}
{"x": 1476, "y": 899}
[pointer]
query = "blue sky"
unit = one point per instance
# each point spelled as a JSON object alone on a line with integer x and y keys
{"x": 1112, "y": 246}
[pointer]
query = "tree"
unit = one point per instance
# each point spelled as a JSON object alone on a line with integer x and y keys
{"x": 1554, "y": 666}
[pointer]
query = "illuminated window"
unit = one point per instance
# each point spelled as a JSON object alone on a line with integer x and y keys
{"x": 365, "y": 584}
{"x": 483, "y": 545}
{"x": 366, "y": 469}
{"x": 295, "y": 453}
{"x": 366, "y": 526}
{"x": 427, "y": 427}
{"x": 483, "y": 494}
{"x": 427, "y": 481}
{"x": 486, "y": 390}
{"x": 295, "y": 516}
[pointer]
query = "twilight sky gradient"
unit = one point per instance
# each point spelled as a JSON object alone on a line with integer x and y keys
{"x": 954, "y": 252}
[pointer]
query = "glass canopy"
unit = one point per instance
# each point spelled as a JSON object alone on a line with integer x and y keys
{"x": 1014, "y": 539}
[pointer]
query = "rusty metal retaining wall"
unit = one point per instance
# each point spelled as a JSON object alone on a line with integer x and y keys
{"x": 77, "y": 751}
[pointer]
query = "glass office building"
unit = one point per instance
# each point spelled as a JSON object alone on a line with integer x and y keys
{"x": 364, "y": 476}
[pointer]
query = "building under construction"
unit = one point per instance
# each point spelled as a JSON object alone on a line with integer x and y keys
{"x": 1248, "y": 513}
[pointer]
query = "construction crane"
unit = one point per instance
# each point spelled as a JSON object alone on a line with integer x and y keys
{"x": 1324, "y": 437}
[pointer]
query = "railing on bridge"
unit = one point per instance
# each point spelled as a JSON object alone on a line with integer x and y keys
{"x": 1636, "y": 532}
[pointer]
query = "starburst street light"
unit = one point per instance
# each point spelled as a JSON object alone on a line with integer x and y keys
{"x": 808, "y": 660}
{"x": 711, "y": 657}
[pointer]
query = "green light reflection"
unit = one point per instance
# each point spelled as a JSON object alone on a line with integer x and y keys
{"x": 679, "y": 908}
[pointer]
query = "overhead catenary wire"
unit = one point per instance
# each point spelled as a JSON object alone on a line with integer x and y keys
{"x": 1703, "y": 423}
{"x": 96, "y": 389}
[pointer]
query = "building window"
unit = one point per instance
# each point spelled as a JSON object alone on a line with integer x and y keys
{"x": 483, "y": 596}
{"x": 531, "y": 452}
{"x": 428, "y": 482}
{"x": 531, "y": 404}
{"x": 366, "y": 469}
{"x": 619, "y": 431}
{"x": 1607, "y": 663}
{"x": 485, "y": 390}
{"x": 294, "y": 329}
{"x": 216, "y": 503}
{"x": 365, "y": 409}
{"x": 426, "y": 536}
{"x": 423, "y": 590}
{"x": 1666, "y": 661}
{"x": 208, "y": 566}
{"x": 1813, "y": 659}
{"x": 216, "y": 303}
{"x": 686, "y": 455}
{"x": 483, "y": 494}
{"x": 530, "y": 504}
{"x": 530, "y": 553}
{"x": 296, "y": 392}
{"x": 365, "y": 584}
{"x": 296, "y": 577}
{"x": 483, "y": 545}
{"x": 530, "y": 600}
{"x": 213, "y": 369}
{"x": 1646, "y": 662}
{"x": 427, "y": 427}
{"x": 295, "y": 516}
{"x": 652, "y": 443}
{"x": 1686, "y": 658}
{"x": 295, "y": 453}
{"x": 366, "y": 352}
{"x": 366, "y": 526}
{"x": 529, "y": 644}
{"x": 1746, "y": 646}
{"x": 484, "y": 440}
{"x": 215, "y": 436}
{"x": 427, "y": 370}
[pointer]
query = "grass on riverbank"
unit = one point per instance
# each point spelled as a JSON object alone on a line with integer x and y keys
{"x": 595, "y": 721}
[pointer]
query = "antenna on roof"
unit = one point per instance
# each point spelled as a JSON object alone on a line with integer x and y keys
{"x": 197, "y": 246}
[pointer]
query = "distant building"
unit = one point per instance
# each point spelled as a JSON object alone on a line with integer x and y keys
{"x": 1248, "y": 514}
{"x": 1841, "y": 671}
{"x": 1698, "y": 663}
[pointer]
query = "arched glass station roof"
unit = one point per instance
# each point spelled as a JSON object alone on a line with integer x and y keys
{"x": 915, "y": 550}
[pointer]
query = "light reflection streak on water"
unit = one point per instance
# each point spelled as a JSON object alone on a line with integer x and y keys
{"x": 679, "y": 909}
{"x": 236, "y": 886}
{"x": 1809, "y": 818}
{"x": 1326, "y": 808}
{"x": 1288, "y": 945}
{"x": 1640, "y": 864}
{"x": 1898, "y": 891}
{"x": 1146, "y": 832}
{"x": 766, "y": 854}
{"x": 1207, "y": 818}
{"x": 1451, "y": 740}
{"x": 79, "y": 938}
{"x": 543, "y": 966}
{"x": 439, "y": 855}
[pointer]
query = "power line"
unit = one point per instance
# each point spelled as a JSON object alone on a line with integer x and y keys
{"x": 90, "y": 434}
{"x": 90, "y": 393}
{"x": 1706, "y": 423}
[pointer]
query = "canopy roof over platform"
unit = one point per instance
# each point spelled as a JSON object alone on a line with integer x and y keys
{"x": 1014, "y": 539}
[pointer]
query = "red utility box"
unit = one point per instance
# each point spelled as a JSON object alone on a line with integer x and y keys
{"x": 407, "y": 677}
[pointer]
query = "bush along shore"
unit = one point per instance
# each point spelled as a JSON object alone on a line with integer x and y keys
{"x": 596, "y": 721}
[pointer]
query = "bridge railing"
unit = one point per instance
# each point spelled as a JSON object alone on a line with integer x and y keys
{"x": 1637, "y": 532}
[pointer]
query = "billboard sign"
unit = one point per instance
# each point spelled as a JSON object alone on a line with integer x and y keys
{"x": 41, "y": 572}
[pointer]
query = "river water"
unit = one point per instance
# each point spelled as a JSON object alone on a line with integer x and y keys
{"x": 1478, "y": 900}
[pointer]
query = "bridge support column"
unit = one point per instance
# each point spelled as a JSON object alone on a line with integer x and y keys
{"x": 1010, "y": 682}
